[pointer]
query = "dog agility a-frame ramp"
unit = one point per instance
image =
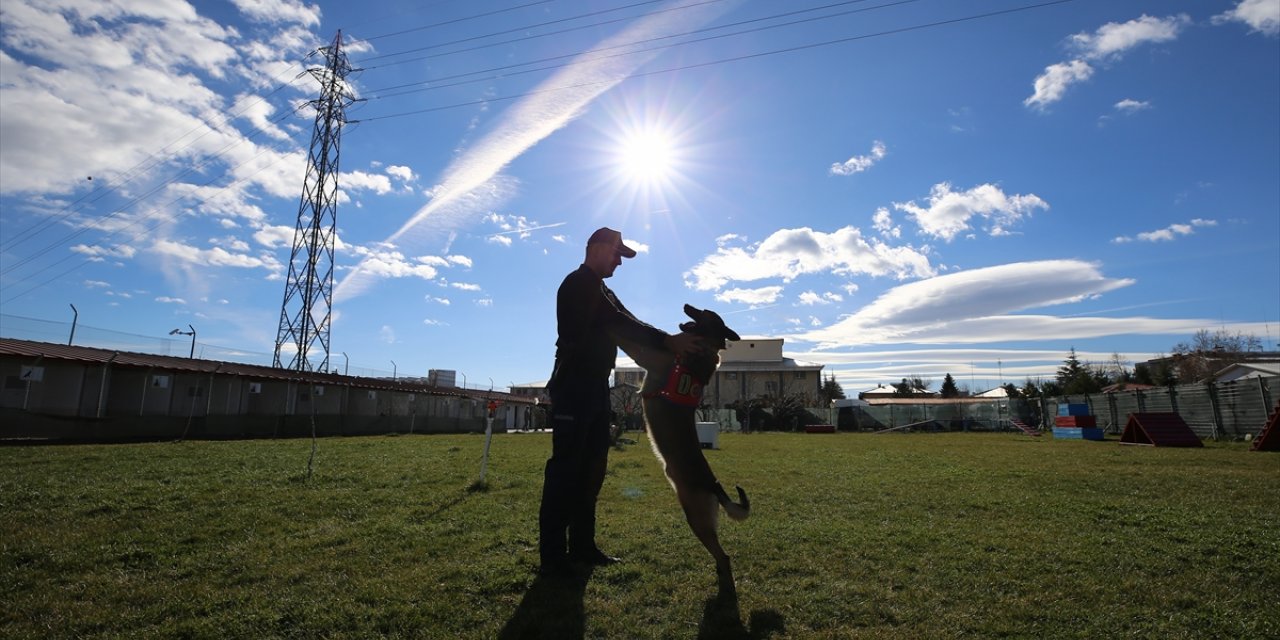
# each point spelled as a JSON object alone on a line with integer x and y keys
{"x": 1269, "y": 438}
{"x": 1159, "y": 430}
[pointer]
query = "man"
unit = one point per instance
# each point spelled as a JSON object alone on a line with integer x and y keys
{"x": 588, "y": 317}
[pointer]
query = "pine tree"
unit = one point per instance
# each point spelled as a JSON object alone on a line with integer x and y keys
{"x": 949, "y": 389}
{"x": 831, "y": 390}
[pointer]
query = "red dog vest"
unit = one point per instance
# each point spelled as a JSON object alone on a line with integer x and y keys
{"x": 681, "y": 387}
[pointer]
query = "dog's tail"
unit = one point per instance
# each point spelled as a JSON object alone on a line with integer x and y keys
{"x": 736, "y": 510}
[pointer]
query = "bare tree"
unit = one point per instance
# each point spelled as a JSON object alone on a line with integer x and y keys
{"x": 1210, "y": 351}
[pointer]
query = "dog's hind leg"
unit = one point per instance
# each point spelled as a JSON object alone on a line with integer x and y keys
{"x": 702, "y": 510}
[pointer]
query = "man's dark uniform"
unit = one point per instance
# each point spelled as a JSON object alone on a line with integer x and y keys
{"x": 588, "y": 316}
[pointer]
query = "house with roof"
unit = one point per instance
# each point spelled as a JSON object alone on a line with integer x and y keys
{"x": 1244, "y": 370}
{"x": 749, "y": 368}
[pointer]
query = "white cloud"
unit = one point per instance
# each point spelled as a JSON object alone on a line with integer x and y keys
{"x": 1107, "y": 44}
{"x": 1052, "y": 84}
{"x": 279, "y": 11}
{"x": 387, "y": 334}
{"x": 1262, "y": 16}
{"x": 810, "y": 298}
{"x": 230, "y": 242}
{"x": 274, "y": 236}
{"x": 404, "y": 173}
{"x": 215, "y": 257}
{"x": 465, "y": 286}
{"x": 258, "y": 112}
{"x": 882, "y": 221}
{"x": 858, "y": 164}
{"x": 61, "y": 66}
{"x": 389, "y": 263}
{"x": 168, "y": 300}
{"x": 98, "y": 253}
{"x": 365, "y": 181}
{"x": 790, "y": 253}
{"x": 762, "y": 295}
{"x": 1169, "y": 233}
{"x": 434, "y": 323}
{"x": 970, "y": 306}
{"x": 1115, "y": 38}
{"x": 949, "y": 212}
{"x": 97, "y": 283}
{"x": 1129, "y": 105}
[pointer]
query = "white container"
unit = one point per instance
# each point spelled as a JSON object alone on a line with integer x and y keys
{"x": 709, "y": 434}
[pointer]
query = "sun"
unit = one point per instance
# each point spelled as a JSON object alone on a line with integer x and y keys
{"x": 647, "y": 156}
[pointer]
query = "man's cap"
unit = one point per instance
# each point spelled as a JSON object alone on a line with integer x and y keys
{"x": 605, "y": 235}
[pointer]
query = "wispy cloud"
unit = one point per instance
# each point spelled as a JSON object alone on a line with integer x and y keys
{"x": 858, "y": 164}
{"x": 530, "y": 121}
{"x": 1129, "y": 105}
{"x": 971, "y": 306}
{"x": 810, "y": 298}
{"x": 1168, "y": 233}
{"x": 758, "y": 296}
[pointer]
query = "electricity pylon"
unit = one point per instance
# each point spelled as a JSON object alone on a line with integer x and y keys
{"x": 303, "y": 337}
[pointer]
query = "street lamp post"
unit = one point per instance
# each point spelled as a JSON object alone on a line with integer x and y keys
{"x": 346, "y": 365}
{"x": 393, "y": 370}
{"x": 192, "y": 333}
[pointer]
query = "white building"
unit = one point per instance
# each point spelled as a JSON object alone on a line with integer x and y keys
{"x": 749, "y": 368}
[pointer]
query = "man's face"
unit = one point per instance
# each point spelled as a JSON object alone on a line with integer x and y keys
{"x": 615, "y": 260}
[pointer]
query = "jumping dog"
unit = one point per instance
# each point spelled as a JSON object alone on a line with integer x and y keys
{"x": 670, "y": 396}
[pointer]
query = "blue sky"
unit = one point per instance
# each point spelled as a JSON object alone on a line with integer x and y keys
{"x": 895, "y": 188}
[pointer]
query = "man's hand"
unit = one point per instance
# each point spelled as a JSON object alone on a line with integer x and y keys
{"x": 683, "y": 344}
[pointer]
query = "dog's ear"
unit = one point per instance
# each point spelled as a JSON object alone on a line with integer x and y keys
{"x": 692, "y": 312}
{"x": 730, "y": 334}
{"x": 688, "y": 327}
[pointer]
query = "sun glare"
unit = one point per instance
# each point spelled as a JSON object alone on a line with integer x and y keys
{"x": 646, "y": 156}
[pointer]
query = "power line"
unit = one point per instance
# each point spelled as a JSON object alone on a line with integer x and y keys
{"x": 640, "y": 42}
{"x": 458, "y": 20}
{"x": 740, "y": 58}
{"x": 526, "y": 28}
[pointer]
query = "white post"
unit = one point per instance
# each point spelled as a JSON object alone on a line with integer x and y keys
{"x": 488, "y": 436}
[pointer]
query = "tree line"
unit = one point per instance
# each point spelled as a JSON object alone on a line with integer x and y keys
{"x": 1196, "y": 360}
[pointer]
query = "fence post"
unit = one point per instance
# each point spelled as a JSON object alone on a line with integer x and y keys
{"x": 1213, "y": 403}
{"x": 1265, "y": 397}
{"x": 1111, "y": 407}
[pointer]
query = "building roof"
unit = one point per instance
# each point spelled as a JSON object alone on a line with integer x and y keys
{"x": 39, "y": 351}
{"x": 1247, "y": 370}
{"x": 786, "y": 364}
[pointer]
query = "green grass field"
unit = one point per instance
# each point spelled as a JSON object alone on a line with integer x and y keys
{"x": 896, "y": 535}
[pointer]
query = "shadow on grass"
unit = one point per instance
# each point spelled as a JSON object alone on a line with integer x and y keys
{"x": 721, "y": 620}
{"x": 551, "y": 608}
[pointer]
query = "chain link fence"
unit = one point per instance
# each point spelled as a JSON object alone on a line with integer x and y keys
{"x": 1217, "y": 410}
